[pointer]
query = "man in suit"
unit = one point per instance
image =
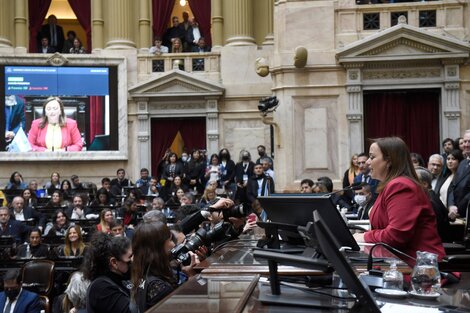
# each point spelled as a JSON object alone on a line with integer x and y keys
{"x": 14, "y": 116}
{"x": 458, "y": 198}
{"x": 243, "y": 171}
{"x": 45, "y": 47}
{"x": 54, "y": 33}
{"x": 21, "y": 213}
{"x": 10, "y": 227}
{"x": 259, "y": 184}
{"x": 15, "y": 299}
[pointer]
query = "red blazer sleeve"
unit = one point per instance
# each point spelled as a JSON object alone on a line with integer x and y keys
{"x": 71, "y": 138}
{"x": 35, "y": 137}
{"x": 396, "y": 216}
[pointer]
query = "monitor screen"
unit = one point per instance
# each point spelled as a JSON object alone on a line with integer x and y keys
{"x": 90, "y": 105}
{"x": 298, "y": 210}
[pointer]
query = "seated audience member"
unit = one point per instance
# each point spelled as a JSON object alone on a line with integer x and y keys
{"x": 107, "y": 265}
{"x": 102, "y": 199}
{"x": 10, "y": 227}
{"x": 157, "y": 47}
{"x": 128, "y": 213}
{"x": 45, "y": 48}
{"x": 106, "y": 217}
{"x": 106, "y": 184}
{"x": 319, "y": 187}
{"x": 175, "y": 201}
{"x": 306, "y": 186}
{"x": 435, "y": 166}
{"x": 151, "y": 268}
{"x": 117, "y": 228}
{"x": 74, "y": 299}
{"x": 442, "y": 186}
{"x": 118, "y": 183}
{"x": 458, "y": 144}
{"x": 54, "y": 121}
{"x": 267, "y": 167}
{"x": 66, "y": 190}
{"x": 336, "y": 198}
{"x": 417, "y": 160}
{"x": 77, "y": 47}
{"x": 402, "y": 216}
{"x": 176, "y": 46}
{"x": 74, "y": 245}
{"x": 154, "y": 216}
{"x": 158, "y": 203}
{"x": 201, "y": 46}
{"x": 171, "y": 187}
{"x": 21, "y": 213}
{"x": 34, "y": 245}
{"x": 16, "y": 182}
{"x": 30, "y": 198}
{"x": 442, "y": 220}
{"x": 187, "y": 207}
{"x": 75, "y": 183}
{"x": 208, "y": 196}
{"x": 16, "y": 299}
{"x": 144, "y": 179}
{"x": 364, "y": 175}
{"x": 364, "y": 200}
{"x": 56, "y": 200}
{"x": 59, "y": 225}
{"x": 33, "y": 185}
{"x": 152, "y": 189}
{"x": 77, "y": 211}
{"x": 53, "y": 184}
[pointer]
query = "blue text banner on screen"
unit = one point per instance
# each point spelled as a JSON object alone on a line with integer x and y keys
{"x": 56, "y": 81}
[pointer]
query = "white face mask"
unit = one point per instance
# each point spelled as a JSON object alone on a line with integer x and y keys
{"x": 360, "y": 199}
{"x": 184, "y": 158}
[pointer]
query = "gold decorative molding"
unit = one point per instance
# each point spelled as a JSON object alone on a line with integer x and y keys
{"x": 57, "y": 59}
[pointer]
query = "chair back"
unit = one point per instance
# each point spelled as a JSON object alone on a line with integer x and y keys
{"x": 45, "y": 303}
{"x": 38, "y": 276}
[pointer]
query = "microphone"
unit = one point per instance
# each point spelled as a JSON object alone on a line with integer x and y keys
{"x": 193, "y": 221}
{"x": 354, "y": 186}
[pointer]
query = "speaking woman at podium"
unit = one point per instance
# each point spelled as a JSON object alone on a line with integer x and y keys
{"x": 402, "y": 215}
{"x": 54, "y": 131}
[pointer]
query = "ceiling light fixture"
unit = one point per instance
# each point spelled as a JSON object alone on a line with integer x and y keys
{"x": 183, "y": 2}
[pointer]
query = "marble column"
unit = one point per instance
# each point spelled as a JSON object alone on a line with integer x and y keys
{"x": 21, "y": 26}
{"x": 212, "y": 126}
{"x": 118, "y": 24}
{"x": 5, "y": 21}
{"x": 451, "y": 102}
{"x": 355, "y": 111}
{"x": 98, "y": 23}
{"x": 269, "y": 13}
{"x": 143, "y": 132}
{"x": 217, "y": 30}
{"x": 145, "y": 37}
{"x": 238, "y": 17}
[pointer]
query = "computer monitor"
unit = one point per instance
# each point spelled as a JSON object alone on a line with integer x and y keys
{"x": 330, "y": 249}
{"x": 298, "y": 210}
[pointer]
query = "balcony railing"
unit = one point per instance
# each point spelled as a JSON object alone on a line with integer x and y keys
{"x": 206, "y": 64}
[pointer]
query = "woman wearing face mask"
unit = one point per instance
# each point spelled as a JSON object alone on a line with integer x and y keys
{"x": 152, "y": 276}
{"x": 107, "y": 265}
{"x": 227, "y": 169}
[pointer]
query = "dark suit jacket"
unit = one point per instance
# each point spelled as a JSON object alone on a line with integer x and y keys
{"x": 240, "y": 171}
{"x": 267, "y": 187}
{"x": 45, "y": 32}
{"x": 17, "y": 117}
{"x": 30, "y": 213}
{"x": 228, "y": 173}
{"x": 460, "y": 188}
{"x": 15, "y": 229}
{"x": 28, "y": 302}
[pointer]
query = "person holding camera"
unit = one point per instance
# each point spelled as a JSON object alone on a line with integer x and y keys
{"x": 152, "y": 276}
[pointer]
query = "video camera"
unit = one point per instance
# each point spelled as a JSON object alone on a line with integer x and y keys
{"x": 235, "y": 211}
{"x": 201, "y": 238}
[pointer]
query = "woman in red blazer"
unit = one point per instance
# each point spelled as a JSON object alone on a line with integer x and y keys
{"x": 402, "y": 215}
{"x": 54, "y": 131}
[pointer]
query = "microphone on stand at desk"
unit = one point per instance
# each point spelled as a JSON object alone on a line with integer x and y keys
{"x": 354, "y": 186}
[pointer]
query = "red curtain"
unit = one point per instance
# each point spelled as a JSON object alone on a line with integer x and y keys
{"x": 193, "y": 131}
{"x": 82, "y": 9}
{"x": 411, "y": 115}
{"x": 37, "y": 10}
{"x": 96, "y": 117}
{"x": 202, "y": 13}
{"x": 161, "y": 13}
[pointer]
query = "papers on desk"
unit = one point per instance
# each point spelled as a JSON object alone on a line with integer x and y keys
{"x": 400, "y": 308}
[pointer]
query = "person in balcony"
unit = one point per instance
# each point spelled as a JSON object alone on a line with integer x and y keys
{"x": 177, "y": 46}
{"x": 158, "y": 48}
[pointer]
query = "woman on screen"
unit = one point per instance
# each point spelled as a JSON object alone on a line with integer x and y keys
{"x": 402, "y": 215}
{"x": 54, "y": 131}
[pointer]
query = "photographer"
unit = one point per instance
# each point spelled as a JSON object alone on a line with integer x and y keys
{"x": 152, "y": 275}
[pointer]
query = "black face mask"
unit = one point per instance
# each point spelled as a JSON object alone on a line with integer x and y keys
{"x": 12, "y": 293}
{"x": 245, "y": 158}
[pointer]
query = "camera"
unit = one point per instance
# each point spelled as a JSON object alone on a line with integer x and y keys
{"x": 268, "y": 104}
{"x": 201, "y": 238}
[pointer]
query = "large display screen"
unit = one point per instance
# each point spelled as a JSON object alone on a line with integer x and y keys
{"x": 89, "y": 99}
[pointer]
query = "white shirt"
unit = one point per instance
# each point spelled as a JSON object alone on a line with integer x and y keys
{"x": 155, "y": 50}
{"x": 19, "y": 216}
